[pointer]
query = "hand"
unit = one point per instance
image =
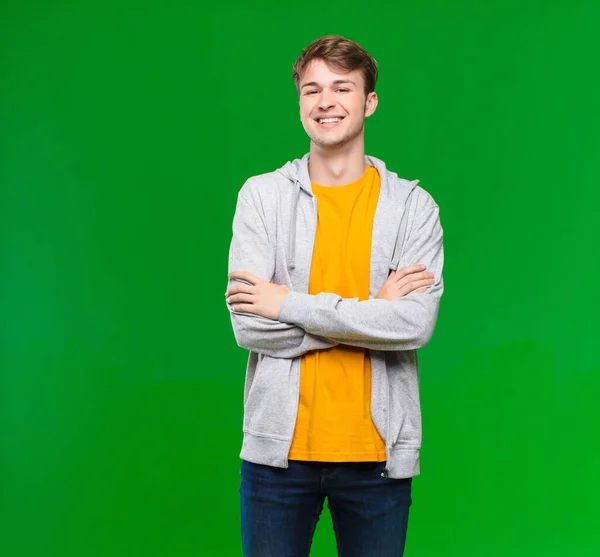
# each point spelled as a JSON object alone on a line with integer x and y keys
{"x": 258, "y": 297}
{"x": 407, "y": 280}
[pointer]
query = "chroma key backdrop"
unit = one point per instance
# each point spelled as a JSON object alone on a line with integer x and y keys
{"x": 126, "y": 131}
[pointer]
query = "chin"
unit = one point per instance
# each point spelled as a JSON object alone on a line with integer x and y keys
{"x": 329, "y": 144}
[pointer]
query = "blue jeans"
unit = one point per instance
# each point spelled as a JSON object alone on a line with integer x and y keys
{"x": 280, "y": 508}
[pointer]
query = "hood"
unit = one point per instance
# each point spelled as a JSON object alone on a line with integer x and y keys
{"x": 296, "y": 172}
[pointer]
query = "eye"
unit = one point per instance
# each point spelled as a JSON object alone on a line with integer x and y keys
{"x": 343, "y": 90}
{"x": 310, "y": 92}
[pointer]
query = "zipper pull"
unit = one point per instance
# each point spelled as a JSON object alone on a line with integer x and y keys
{"x": 384, "y": 474}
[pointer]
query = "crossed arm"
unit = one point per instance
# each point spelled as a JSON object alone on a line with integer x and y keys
{"x": 261, "y": 298}
{"x": 269, "y": 318}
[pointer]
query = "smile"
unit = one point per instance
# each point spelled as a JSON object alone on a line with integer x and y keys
{"x": 329, "y": 122}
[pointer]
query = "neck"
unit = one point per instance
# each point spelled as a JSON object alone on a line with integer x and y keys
{"x": 337, "y": 166}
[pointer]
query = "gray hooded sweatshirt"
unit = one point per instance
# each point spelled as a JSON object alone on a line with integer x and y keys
{"x": 273, "y": 238}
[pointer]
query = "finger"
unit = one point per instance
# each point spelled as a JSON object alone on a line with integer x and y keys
{"x": 240, "y": 298}
{"x": 244, "y": 275}
{"x": 241, "y": 288}
{"x": 413, "y": 277}
{"x": 421, "y": 291}
{"x": 243, "y": 308}
{"x": 414, "y": 286}
{"x": 410, "y": 269}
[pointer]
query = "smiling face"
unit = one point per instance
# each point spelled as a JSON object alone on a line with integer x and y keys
{"x": 333, "y": 106}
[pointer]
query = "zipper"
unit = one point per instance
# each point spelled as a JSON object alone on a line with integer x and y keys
{"x": 314, "y": 236}
{"x": 287, "y": 460}
{"x": 395, "y": 265}
{"x": 388, "y": 446}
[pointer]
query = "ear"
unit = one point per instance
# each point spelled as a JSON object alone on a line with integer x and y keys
{"x": 371, "y": 103}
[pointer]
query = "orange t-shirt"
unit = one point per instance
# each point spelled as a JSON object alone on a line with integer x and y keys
{"x": 334, "y": 414}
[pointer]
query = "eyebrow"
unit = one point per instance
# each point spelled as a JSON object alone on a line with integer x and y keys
{"x": 336, "y": 82}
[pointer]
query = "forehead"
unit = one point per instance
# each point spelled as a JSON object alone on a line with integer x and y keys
{"x": 319, "y": 72}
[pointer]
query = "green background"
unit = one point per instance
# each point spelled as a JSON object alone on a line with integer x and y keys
{"x": 126, "y": 131}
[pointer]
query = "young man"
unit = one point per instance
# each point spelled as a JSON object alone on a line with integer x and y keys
{"x": 335, "y": 278}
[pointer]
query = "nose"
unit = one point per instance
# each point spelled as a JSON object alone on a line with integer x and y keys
{"x": 326, "y": 100}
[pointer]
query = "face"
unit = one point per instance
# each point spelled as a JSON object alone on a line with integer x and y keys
{"x": 333, "y": 106}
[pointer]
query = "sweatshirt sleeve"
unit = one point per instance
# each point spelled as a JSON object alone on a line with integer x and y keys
{"x": 406, "y": 323}
{"x": 252, "y": 250}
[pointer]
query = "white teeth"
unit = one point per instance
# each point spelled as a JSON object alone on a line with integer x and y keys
{"x": 329, "y": 120}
